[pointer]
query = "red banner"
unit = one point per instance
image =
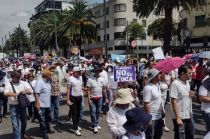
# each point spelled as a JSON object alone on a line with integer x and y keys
{"x": 95, "y": 51}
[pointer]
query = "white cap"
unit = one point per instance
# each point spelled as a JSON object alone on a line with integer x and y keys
{"x": 77, "y": 69}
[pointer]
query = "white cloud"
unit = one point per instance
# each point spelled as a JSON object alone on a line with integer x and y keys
{"x": 15, "y": 12}
{"x": 22, "y": 14}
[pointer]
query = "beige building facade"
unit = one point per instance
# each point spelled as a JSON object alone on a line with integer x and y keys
{"x": 119, "y": 14}
{"x": 198, "y": 27}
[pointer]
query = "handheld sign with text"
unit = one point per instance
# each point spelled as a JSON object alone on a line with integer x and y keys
{"x": 124, "y": 74}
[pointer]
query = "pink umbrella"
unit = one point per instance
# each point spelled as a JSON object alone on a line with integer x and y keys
{"x": 188, "y": 56}
{"x": 169, "y": 64}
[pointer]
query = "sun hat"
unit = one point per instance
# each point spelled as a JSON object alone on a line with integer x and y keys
{"x": 124, "y": 97}
{"x": 152, "y": 73}
{"x": 136, "y": 120}
{"x": 47, "y": 72}
{"x": 75, "y": 69}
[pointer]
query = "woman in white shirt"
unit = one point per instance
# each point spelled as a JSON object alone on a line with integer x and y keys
{"x": 116, "y": 115}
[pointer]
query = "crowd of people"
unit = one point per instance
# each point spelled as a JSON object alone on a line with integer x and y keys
{"x": 33, "y": 88}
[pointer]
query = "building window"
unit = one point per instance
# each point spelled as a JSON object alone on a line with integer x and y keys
{"x": 98, "y": 13}
{"x": 110, "y": 49}
{"x": 119, "y": 35}
{"x": 144, "y": 23}
{"x": 120, "y": 22}
{"x": 134, "y": 20}
{"x": 107, "y": 37}
{"x": 119, "y": 7}
{"x": 121, "y": 47}
{"x": 98, "y": 26}
{"x": 107, "y": 24}
{"x": 98, "y": 38}
{"x": 107, "y": 10}
{"x": 200, "y": 21}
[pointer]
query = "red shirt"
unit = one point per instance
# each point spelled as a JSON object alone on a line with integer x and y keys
{"x": 200, "y": 72}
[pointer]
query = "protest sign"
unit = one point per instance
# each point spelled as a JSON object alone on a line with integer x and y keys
{"x": 118, "y": 58}
{"x": 124, "y": 74}
{"x": 158, "y": 53}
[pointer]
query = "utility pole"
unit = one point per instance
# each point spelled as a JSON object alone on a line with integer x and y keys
{"x": 55, "y": 27}
{"x": 21, "y": 49}
{"x": 127, "y": 46}
{"x": 105, "y": 36}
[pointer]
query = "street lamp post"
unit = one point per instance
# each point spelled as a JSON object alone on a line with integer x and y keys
{"x": 105, "y": 36}
{"x": 55, "y": 26}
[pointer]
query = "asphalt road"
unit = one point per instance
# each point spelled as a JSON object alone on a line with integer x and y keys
{"x": 67, "y": 127}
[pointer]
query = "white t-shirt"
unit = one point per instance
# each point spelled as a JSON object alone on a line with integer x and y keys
{"x": 205, "y": 106}
{"x": 21, "y": 86}
{"x": 104, "y": 75}
{"x": 96, "y": 85}
{"x": 76, "y": 86}
{"x": 152, "y": 94}
{"x": 180, "y": 90}
{"x": 115, "y": 119}
{"x": 31, "y": 97}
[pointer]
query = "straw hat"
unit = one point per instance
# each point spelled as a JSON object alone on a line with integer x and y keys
{"x": 124, "y": 97}
{"x": 47, "y": 72}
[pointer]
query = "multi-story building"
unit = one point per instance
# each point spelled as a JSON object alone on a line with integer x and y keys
{"x": 196, "y": 31}
{"x": 119, "y": 14}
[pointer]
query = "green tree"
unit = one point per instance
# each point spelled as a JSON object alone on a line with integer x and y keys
{"x": 19, "y": 41}
{"x": 78, "y": 25}
{"x": 135, "y": 31}
{"x": 145, "y": 7}
{"x": 156, "y": 29}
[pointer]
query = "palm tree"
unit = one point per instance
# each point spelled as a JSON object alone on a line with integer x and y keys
{"x": 78, "y": 25}
{"x": 145, "y": 7}
{"x": 19, "y": 41}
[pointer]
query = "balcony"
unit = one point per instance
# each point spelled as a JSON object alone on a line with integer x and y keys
{"x": 201, "y": 31}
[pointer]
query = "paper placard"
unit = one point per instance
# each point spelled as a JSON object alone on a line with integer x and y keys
{"x": 158, "y": 53}
{"x": 124, "y": 74}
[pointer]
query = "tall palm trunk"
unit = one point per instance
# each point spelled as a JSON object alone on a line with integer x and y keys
{"x": 167, "y": 28}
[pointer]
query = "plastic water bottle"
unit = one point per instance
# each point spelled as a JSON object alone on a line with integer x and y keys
{"x": 181, "y": 132}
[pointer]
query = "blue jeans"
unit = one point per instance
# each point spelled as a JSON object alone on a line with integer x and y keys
{"x": 95, "y": 108}
{"x": 16, "y": 114}
{"x": 189, "y": 127}
{"x": 44, "y": 120}
{"x": 55, "y": 108}
{"x": 155, "y": 131}
{"x": 82, "y": 108}
{"x": 206, "y": 117}
{"x": 1, "y": 107}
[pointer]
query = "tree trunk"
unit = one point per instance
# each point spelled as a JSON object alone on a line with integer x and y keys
{"x": 167, "y": 28}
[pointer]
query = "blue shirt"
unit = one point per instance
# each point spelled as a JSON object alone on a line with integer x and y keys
{"x": 43, "y": 88}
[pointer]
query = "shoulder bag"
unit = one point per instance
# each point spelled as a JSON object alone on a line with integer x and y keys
{"x": 21, "y": 98}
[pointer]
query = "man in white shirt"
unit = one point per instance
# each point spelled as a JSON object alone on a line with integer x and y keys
{"x": 17, "y": 113}
{"x": 104, "y": 75}
{"x": 182, "y": 103}
{"x": 153, "y": 104}
{"x": 96, "y": 87}
{"x": 75, "y": 97}
{"x": 204, "y": 97}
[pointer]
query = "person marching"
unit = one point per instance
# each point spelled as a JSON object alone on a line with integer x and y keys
{"x": 75, "y": 97}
